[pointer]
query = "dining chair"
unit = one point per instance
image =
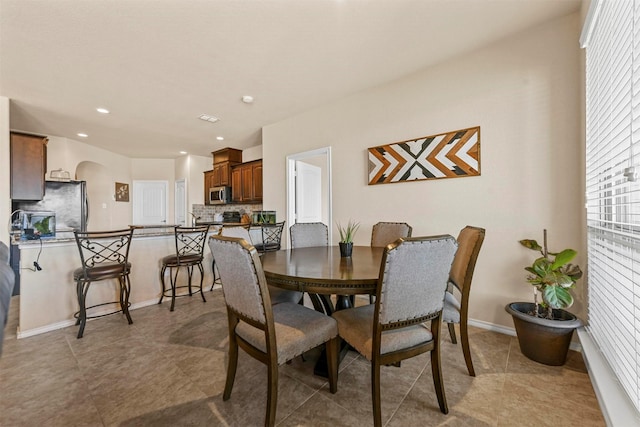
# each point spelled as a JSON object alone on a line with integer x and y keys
{"x": 384, "y": 233}
{"x": 189, "y": 253}
{"x": 456, "y": 310}
{"x": 272, "y": 334}
{"x": 271, "y": 237}
{"x": 278, "y": 295}
{"x": 307, "y": 234}
{"x": 104, "y": 255}
{"x": 7, "y": 282}
{"x": 410, "y": 292}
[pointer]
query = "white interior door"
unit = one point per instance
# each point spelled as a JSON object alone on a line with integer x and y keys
{"x": 308, "y": 192}
{"x": 181, "y": 202}
{"x": 320, "y": 158}
{"x": 150, "y": 202}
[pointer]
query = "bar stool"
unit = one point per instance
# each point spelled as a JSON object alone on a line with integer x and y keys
{"x": 189, "y": 253}
{"x": 104, "y": 255}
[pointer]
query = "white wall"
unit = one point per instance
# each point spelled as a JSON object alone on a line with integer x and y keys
{"x": 524, "y": 93}
{"x": 252, "y": 153}
{"x": 5, "y": 177}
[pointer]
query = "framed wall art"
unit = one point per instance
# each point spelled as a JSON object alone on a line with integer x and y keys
{"x": 122, "y": 192}
{"x": 453, "y": 154}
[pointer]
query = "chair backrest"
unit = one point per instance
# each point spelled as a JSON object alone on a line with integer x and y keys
{"x": 271, "y": 236}
{"x": 384, "y": 233}
{"x": 101, "y": 248}
{"x": 244, "y": 285}
{"x": 7, "y": 281}
{"x": 306, "y": 234}
{"x": 413, "y": 280}
{"x": 469, "y": 243}
{"x": 240, "y": 232}
{"x": 190, "y": 241}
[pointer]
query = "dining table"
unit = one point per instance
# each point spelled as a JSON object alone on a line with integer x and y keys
{"x": 322, "y": 272}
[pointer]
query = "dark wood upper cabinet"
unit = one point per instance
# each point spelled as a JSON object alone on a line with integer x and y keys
{"x": 223, "y": 161}
{"x": 28, "y": 166}
{"x": 246, "y": 182}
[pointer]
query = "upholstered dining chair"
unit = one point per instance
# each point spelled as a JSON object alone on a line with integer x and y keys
{"x": 277, "y": 295}
{"x": 189, "y": 253}
{"x": 456, "y": 310}
{"x": 270, "y": 334}
{"x": 410, "y": 292}
{"x": 306, "y": 234}
{"x": 384, "y": 233}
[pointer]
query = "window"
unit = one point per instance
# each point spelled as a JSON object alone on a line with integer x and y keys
{"x": 612, "y": 191}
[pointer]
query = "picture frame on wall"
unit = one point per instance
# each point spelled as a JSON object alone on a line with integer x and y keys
{"x": 122, "y": 192}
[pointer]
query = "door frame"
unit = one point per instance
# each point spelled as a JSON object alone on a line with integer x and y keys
{"x": 176, "y": 211}
{"x": 291, "y": 186}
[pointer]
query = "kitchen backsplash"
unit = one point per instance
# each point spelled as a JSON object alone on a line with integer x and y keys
{"x": 205, "y": 213}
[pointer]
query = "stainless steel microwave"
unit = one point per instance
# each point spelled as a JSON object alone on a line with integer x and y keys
{"x": 219, "y": 195}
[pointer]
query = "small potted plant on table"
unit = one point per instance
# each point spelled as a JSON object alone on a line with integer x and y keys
{"x": 346, "y": 237}
{"x": 544, "y": 328}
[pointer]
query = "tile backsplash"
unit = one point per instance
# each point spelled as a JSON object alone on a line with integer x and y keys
{"x": 205, "y": 213}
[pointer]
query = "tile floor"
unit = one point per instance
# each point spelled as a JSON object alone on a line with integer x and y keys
{"x": 168, "y": 369}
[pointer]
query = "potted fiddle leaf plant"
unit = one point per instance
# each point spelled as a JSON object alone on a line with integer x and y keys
{"x": 347, "y": 234}
{"x": 544, "y": 328}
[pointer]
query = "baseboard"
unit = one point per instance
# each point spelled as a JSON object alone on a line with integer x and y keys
{"x": 575, "y": 345}
{"x": 616, "y": 406}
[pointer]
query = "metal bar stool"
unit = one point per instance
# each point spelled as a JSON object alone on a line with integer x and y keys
{"x": 189, "y": 253}
{"x": 104, "y": 255}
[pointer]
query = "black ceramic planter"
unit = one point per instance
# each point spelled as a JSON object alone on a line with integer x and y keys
{"x": 543, "y": 340}
{"x": 346, "y": 249}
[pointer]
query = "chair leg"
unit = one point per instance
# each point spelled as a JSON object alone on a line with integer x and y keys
{"x": 162, "y": 271}
{"x": 466, "y": 350}
{"x": 232, "y": 365}
{"x": 83, "y": 288}
{"x": 452, "y": 332}
{"x": 332, "y": 349}
{"x": 174, "y": 280}
{"x": 436, "y": 369}
{"x": 125, "y": 291}
{"x": 201, "y": 280}
{"x": 272, "y": 391}
{"x": 375, "y": 393}
{"x": 190, "y": 275}
{"x": 213, "y": 271}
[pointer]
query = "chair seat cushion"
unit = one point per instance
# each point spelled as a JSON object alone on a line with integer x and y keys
{"x": 172, "y": 260}
{"x": 355, "y": 326}
{"x": 279, "y": 296}
{"x": 451, "y": 310}
{"x": 297, "y": 329}
{"x": 103, "y": 271}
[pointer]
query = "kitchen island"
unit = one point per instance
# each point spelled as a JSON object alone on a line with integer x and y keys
{"x": 48, "y": 297}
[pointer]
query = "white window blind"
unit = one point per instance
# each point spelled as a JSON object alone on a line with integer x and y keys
{"x": 613, "y": 197}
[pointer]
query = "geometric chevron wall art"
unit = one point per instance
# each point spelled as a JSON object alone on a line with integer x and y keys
{"x": 447, "y": 155}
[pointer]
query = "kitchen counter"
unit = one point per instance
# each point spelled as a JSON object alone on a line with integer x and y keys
{"x": 48, "y": 297}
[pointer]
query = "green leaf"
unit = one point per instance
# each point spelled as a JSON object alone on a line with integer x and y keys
{"x": 531, "y": 244}
{"x": 557, "y": 297}
{"x": 541, "y": 266}
{"x": 562, "y": 258}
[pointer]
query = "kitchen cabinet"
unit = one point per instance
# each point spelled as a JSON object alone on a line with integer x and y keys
{"x": 246, "y": 182}
{"x": 220, "y": 175}
{"x": 28, "y": 166}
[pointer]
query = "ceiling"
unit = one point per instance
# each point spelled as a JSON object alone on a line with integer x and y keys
{"x": 158, "y": 65}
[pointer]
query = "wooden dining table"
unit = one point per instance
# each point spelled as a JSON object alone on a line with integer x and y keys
{"x": 323, "y": 272}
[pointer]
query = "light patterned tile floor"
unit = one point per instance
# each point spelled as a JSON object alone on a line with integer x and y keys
{"x": 168, "y": 369}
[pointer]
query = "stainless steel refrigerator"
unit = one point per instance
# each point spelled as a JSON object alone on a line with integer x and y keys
{"x": 68, "y": 199}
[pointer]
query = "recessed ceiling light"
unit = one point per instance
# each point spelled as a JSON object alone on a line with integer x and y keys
{"x": 102, "y": 110}
{"x": 208, "y": 118}
{"x": 220, "y": 138}
{"x": 183, "y": 152}
{"x": 82, "y": 135}
{"x": 247, "y": 99}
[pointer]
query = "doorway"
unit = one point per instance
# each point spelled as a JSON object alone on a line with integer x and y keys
{"x": 309, "y": 187}
{"x": 150, "y": 202}
{"x": 181, "y": 202}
